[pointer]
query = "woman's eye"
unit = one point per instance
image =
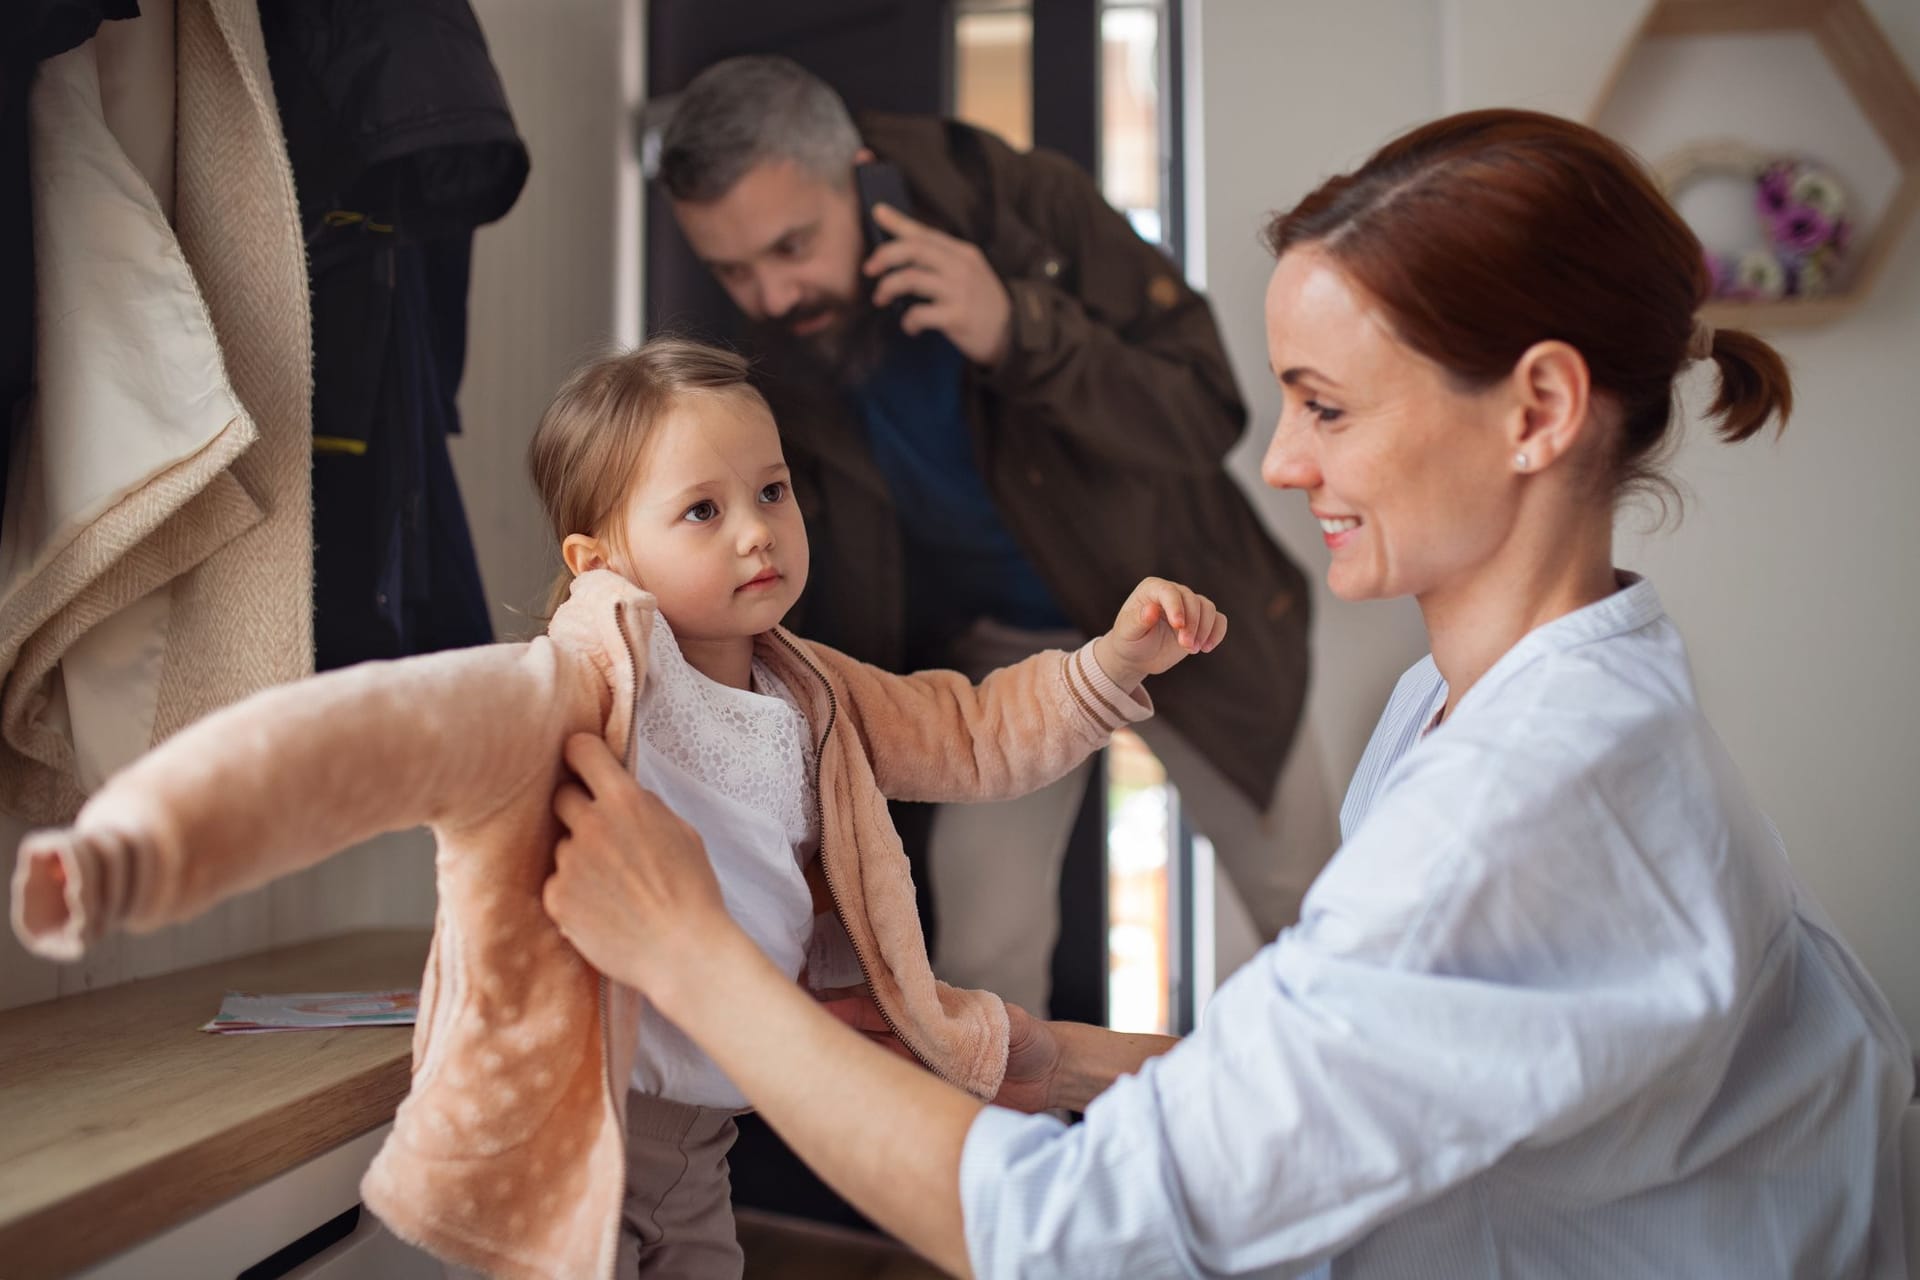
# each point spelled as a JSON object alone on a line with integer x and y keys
{"x": 701, "y": 512}
{"x": 773, "y": 492}
{"x": 1324, "y": 413}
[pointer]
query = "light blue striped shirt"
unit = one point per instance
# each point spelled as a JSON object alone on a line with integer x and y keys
{"x": 1556, "y": 1008}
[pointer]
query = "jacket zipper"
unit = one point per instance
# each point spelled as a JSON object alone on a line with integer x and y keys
{"x": 826, "y": 868}
{"x": 606, "y": 1015}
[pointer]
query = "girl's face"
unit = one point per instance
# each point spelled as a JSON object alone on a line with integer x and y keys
{"x": 1410, "y": 478}
{"x": 710, "y": 526}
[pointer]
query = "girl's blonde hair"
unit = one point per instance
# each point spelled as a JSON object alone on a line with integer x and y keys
{"x": 593, "y": 437}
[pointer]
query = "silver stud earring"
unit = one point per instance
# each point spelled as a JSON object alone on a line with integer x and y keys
{"x": 1521, "y": 461}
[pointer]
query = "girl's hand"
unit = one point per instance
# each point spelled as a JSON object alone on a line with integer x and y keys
{"x": 632, "y": 889}
{"x": 855, "y": 1007}
{"x": 1159, "y": 625}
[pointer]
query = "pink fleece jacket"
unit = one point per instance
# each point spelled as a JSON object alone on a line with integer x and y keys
{"x": 508, "y": 1153}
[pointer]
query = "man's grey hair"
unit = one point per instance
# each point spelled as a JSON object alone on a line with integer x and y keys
{"x": 744, "y": 111}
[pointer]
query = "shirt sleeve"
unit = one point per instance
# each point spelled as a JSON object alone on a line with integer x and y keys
{"x": 1040, "y": 1198}
{"x": 1458, "y": 986}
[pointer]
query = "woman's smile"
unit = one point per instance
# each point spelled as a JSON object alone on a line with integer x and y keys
{"x": 1338, "y": 530}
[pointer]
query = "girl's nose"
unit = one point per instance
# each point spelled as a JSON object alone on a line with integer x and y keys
{"x": 755, "y": 535}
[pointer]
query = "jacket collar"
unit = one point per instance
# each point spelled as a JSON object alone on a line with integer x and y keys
{"x": 922, "y": 148}
{"x": 953, "y": 172}
{"x": 607, "y": 620}
{"x": 793, "y": 660}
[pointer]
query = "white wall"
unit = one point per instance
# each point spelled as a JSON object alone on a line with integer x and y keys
{"x": 546, "y": 288}
{"x": 1793, "y": 574}
{"x": 545, "y": 283}
{"x": 1287, "y": 95}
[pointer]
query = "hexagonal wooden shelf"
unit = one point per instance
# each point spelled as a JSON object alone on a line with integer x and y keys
{"x": 1881, "y": 87}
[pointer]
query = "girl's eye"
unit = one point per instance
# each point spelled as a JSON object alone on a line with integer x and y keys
{"x": 773, "y": 492}
{"x": 701, "y": 512}
{"x": 1323, "y": 413}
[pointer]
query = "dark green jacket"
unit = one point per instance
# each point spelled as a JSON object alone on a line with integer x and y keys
{"x": 1102, "y": 437}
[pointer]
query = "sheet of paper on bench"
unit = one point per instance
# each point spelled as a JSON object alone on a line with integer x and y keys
{"x": 244, "y": 1011}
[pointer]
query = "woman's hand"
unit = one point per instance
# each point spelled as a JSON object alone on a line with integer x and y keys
{"x": 1160, "y": 625}
{"x": 632, "y": 888}
{"x": 1033, "y": 1051}
{"x": 1033, "y": 1060}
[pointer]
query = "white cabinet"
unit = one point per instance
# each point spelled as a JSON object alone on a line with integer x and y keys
{"x": 253, "y": 1226}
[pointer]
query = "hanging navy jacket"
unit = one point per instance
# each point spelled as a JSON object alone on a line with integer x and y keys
{"x": 401, "y": 143}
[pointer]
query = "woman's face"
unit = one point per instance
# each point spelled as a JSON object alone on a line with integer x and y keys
{"x": 1412, "y": 480}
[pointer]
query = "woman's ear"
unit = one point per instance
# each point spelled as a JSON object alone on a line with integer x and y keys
{"x": 1554, "y": 389}
{"x": 582, "y": 553}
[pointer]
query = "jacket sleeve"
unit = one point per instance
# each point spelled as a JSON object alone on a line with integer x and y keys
{"x": 1111, "y": 347}
{"x": 935, "y": 736}
{"x": 283, "y": 779}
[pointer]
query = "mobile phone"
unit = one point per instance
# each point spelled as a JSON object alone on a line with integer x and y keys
{"x": 879, "y": 183}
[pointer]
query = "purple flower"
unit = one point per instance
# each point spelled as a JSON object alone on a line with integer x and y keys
{"x": 1800, "y": 229}
{"x": 1774, "y": 190}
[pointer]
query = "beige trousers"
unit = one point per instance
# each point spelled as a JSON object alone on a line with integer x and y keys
{"x": 678, "y": 1218}
{"x": 995, "y": 868}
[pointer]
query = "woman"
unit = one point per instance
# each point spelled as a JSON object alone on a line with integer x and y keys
{"x": 1557, "y": 1006}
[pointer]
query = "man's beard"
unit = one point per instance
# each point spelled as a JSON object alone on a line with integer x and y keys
{"x": 848, "y": 352}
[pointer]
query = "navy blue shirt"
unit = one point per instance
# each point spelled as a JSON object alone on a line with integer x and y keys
{"x": 962, "y": 562}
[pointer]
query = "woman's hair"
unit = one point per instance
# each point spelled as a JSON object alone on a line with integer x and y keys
{"x": 1484, "y": 233}
{"x": 591, "y": 441}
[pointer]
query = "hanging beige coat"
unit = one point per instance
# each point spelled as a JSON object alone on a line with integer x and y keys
{"x": 159, "y": 486}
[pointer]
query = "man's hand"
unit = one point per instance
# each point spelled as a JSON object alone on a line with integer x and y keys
{"x": 632, "y": 889}
{"x": 1160, "y": 625}
{"x": 964, "y": 299}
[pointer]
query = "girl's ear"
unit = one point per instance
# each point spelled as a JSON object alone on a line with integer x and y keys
{"x": 582, "y": 553}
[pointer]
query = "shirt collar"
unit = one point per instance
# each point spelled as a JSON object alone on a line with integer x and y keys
{"x": 1635, "y": 605}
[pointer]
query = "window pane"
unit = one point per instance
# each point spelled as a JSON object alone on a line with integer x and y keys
{"x": 1140, "y": 841}
{"x": 1131, "y": 142}
{"x": 1142, "y": 808}
{"x": 993, "y": 70}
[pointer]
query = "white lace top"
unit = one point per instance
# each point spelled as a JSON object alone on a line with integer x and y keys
{"x": 752, "y": 746}
{"x": 738, "y": 765}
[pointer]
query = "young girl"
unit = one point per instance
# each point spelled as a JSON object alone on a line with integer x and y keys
{"x": 556, "y": 1127}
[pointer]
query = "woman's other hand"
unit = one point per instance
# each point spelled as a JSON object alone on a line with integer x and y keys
{"x": 1033, "y": 1051}
{"x": 632, "y": 888}
{"x": 1033, "y": 1061}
